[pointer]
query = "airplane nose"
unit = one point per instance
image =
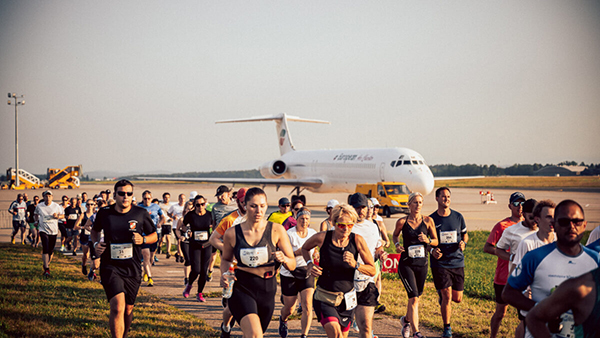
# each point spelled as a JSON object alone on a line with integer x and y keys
{"x": 422, "y": 183}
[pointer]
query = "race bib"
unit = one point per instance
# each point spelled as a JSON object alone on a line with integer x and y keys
{"x": 350, "y": 298}
{"x": 416, "y": 251}
{"x": 568, "y": 326}
{"x": 73, "y": 217}
{"x": 448, "y": 237}
{"x": 121, "y": 251}
{"x": 85, "y": 232}
{"x": 201, "y": 235}
{"x": 254, "y": 257}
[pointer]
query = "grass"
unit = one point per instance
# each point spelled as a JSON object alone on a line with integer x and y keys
{"x": 526, "y": 182}
{"x": 68, "y": 305}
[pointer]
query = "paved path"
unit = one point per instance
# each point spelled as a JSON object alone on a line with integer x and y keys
{"x": 168, "y": 285}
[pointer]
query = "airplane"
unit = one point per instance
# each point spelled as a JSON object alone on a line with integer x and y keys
{"x": 326, "y": 171}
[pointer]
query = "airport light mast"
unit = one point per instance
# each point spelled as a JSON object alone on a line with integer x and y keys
{"x": 16, "y": 103}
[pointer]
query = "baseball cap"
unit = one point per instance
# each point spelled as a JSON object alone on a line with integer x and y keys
{"x": 193, "y": 194}
{"x": 516, "y": 196}
{"x": 358, "y": 200}
{"x": 222, "y": 189}
{"x": 529, "y": 205}
{"x": 284, "y": 200}
{"x": 47, "y": 192}
{"x": 78, "y": 196}
{"x": 241, "y": 194}
{"x": 375, "y": 201}
{"x": 332, "y": 203}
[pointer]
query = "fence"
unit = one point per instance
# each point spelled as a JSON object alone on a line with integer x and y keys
{"x": 5, "y": 219}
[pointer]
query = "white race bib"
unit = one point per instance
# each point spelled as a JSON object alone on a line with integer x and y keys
{"x": 350, "y": 298}
{"x": 448, "y": 237}
{"x": 85, "y": 232}
{"x": 121, "y": 251}
{"x": 568, "y": 325}
{"x": 416, "y": 251}
{"x": 253, "y": 257}
{"x": 201, "y": 235}
{"x": 73, "y": 217}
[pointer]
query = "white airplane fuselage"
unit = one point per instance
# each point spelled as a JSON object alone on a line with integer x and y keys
{"x": 341, "y": 169}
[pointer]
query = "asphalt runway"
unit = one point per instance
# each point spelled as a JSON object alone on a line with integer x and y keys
{"x": 464, "y": 200}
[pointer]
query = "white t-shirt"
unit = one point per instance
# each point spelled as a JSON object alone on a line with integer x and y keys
{"x": 370, "y": 232}
{"x": 297, "y": 242}
{"x": 177, "y": 211}
{"x": 594, "y": 235}
{"x": 528, "y": 243}
{"x": 48, "y": 224}
{"x": 512, "y": 236}
{"x": 20, "y": 208}
{"x": 165, "y": 208}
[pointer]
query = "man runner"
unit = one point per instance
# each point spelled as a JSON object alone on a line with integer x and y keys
{"x": 120, "y": 249}
{"x": 18, "y": 209}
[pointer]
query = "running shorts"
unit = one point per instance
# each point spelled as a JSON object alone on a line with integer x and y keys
{"x": 368, "y": 296}
{"x": 115, "y": 283}
{"x": 413, "y": 277}
{"x": 498, "y": 288}
{"x": 328, "y": 313}
{"x": 291, "y": 286}
{"x": 253, "y": 294}
{"x": 48, "y": 243}
{"x": 448, "y": 277}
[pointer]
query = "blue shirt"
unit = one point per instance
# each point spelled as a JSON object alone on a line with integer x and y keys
{"x": 154, "y": 210}
{"x": 450, "y": 231}
{"x": 595, "y": 245}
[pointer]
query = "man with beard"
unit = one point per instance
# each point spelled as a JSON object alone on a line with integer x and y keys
{"x": 545, "y": 268}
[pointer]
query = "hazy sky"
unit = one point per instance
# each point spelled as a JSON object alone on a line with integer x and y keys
{"x": 138, "y": 85}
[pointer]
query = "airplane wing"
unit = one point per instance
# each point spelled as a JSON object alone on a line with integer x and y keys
{"x": 306, "y": 182}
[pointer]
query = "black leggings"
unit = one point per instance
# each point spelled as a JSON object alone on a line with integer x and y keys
{"x": 413, "y": 277}
{"x": 185, "y": 250}
{"x": 48, "y": 243}
{"x": 199, "y": 259}
{"x": 253, "y": 294}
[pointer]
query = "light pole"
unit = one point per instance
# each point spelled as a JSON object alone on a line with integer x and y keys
{"x": 16, "y": 103}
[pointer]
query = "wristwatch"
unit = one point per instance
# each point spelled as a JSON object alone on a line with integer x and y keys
{"x": 144, "y": 239}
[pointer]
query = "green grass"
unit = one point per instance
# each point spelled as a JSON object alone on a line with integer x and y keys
{"x": 527, "y": 182}
{"x": 68, "y": 305}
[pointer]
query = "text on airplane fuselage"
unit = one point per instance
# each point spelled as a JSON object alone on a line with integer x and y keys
{"x": 352, "y": 157}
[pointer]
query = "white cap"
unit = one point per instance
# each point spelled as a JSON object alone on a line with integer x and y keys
{"x": 193, "y": 194}
{"x": 332, "y": 203}
{"x": 375, "y": 201}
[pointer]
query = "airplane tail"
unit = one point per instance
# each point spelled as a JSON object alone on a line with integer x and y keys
{"x": 285, "y": 140}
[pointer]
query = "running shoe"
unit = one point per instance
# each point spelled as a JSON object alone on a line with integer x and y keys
{"x": 91, "y": 275}
{"x": 418, "y": 335}
{"x": 355, "y": 326}
{"x": 145, "y": 279}
{"x": 168, "y": 255}
{"x": 283, "y": 328}
{"x": 380, "y": 308}
{"x": 74, "y": 253}
{"x": 447, "y": 332}
{"x": 47, "y": 273}
{"x": 186, "y": 291}
{"x": 12, "y": 240}
{"x": 200, "y": 298}
{"x": 209, "y": 276}
{"x": 150, "y": 281}
{"x": 303, "y": 336}
{"x": 84, "y": 270}
{"x": 225, "y": 334}
{"x": 62, "y": 247}
{"x": 156, "y": 259}
{"x": 405, "y": 327}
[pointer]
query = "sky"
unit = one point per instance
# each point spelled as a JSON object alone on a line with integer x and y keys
{"x": 136, "y": 86}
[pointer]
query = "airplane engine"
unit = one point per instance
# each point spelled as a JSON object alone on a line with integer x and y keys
{"x": 273, "y": 169}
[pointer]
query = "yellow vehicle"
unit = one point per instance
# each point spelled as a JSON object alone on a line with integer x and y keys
{"x": 26, "y": 180}
{"x": 393, "y": 196}
{"x": 67, "y": 178}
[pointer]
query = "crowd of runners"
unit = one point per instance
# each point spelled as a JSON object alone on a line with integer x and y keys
{"x": 542, "y": 268}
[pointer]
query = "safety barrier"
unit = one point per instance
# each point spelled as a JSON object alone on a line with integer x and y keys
{"x": 5, "y": 219}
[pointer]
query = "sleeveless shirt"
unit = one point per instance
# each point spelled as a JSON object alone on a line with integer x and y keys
{"x": 337, "y": 275}
{"x": 258, "y": 255}
{"x": 410, "y": 239}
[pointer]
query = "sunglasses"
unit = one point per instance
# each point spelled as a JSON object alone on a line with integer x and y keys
{"x": 296, "y": 209}
{"x": 344, "y": 225}
{"x": 123, "y": 193}
{"x": 517, "y": 203}
{"x": 285, "y": 205}
{"x": 566, "y": 222}
{"x": 200, "y": 204}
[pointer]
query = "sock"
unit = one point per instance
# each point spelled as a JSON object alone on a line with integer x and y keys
{"x": 226, "y": 328}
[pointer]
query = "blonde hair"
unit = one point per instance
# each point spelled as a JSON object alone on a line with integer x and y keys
{"x": 341, "y": 210}
{"x": 414, "y": 195}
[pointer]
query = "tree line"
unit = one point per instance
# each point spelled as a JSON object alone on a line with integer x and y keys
{"x": 514, "y": 170}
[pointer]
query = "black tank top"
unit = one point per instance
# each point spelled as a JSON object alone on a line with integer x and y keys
{"x": 337, "y": 275}
{"x": 410, "y": 238}
{"x": 255, "y": 256}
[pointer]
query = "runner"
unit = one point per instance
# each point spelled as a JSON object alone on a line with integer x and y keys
{"x": 379, "y": 221}
{"x": 447, "y": 259}
{"x": 334, "y": 300}
{"x": 126, "y": 228}
{"x": 364, "y": 284}
{"x": 18, "y": 209}
{"x": 515, "y": 205}
{"x": 184, "y": 234}
{"x": 33, "y": 224}
{"x": 299, "y": 280}
{"x": 84, "y": 237}
{"x": 547, "y": 267}
{"x": 373, "y": 217}
{"x": 199, "y": 223}
{"x": 167, "y": 226}
{"x": 219, "y": 210}
{"x": 62, "y": 226}
{"x": 175, "y": 212}
{"x": 283, "y": 213}
{"x": 149, "y": 249}
{"x": 326, "y": 224}
{"x": 72, "y": 213}
{"x": 290, "y": 222}
{"x": 47, "y": 214}
{"x": 254, "y": 243}
{"x": 412, "y": 268}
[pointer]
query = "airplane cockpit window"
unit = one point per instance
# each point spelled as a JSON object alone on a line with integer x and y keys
{"x": 406, "y": 162}
{"x": 421, "y": 162}
{"x": 415, "y": 162}
{"x": 393, "y": 164}
{"x": 398, "y": 163}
